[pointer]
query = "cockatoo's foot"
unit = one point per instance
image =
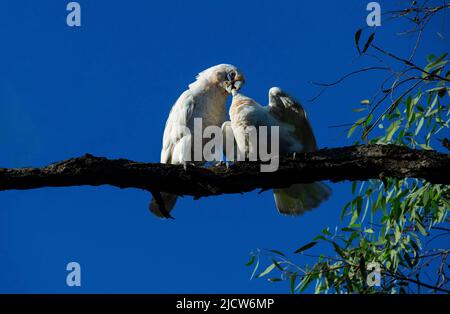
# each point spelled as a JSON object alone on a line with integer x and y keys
{"x": 222, "y": 163}
{"x": 192, "y": 164}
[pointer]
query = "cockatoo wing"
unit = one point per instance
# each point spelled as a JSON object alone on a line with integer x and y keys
{"x": 298, "y": 198}
{"x": 174, "y": 139}
{"x": 175, "y": 143}
{"x": 287, "y": 110}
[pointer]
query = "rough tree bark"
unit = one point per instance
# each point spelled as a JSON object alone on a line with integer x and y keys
{"x": 336, "y": 164}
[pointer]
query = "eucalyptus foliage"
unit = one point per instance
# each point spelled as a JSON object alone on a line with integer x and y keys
{"x": 389, "y": 222}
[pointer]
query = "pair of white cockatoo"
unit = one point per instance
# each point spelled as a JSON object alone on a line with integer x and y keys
{"x": 206, "y": 99}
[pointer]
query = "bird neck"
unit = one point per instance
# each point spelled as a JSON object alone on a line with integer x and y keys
{"x": 240, "y": 102}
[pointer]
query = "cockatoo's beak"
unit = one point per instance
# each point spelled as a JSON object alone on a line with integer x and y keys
{"x": 237, "y": 85}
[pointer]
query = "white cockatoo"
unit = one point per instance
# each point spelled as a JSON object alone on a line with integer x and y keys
{"x": 295, "y": 136}
{"x": 206, "y": 99}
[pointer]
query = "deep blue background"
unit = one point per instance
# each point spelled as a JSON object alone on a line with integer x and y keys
{"x": 106, "y": 88}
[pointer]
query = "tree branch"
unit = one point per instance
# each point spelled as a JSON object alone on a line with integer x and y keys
{"x": 404, "y": 278}
{"x": 336, "y": 164}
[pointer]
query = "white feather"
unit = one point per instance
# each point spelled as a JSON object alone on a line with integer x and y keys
{"x": 295, "y": 135}
{"x": 206, "y": 99}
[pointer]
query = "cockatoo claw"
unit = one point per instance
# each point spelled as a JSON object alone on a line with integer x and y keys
{"x": 222, "y": 163}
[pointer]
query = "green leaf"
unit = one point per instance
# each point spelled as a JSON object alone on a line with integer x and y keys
{"x": 354, "y": 184}
{"x": 278, "y": 252}
{"x": 368, "y": 120}
{"x": 369, "y": 41}
{"x": 326, "y": 232}
{"x": 274, "y": 279}
{"x": 357, "y": 37}
{"x": 344, "y": 210}
{"x": 390, "y": 131}
{"x": 397, "y": 234}
{"x": 292, "y": 280}
{"x": 251, "y": 261}
{"x": 416, "y": 245}
{"x": 255, "y": 269}
{"x": 421, "y": 229}
{"x": 358, "y": 123}
{"x": 338, "y": 249}
{"x": 419, "y": 126}
{"x": 266, "y": 271}
{"x": 306, "y": 247}
{"x": 277, "y": 265}
{"x": 430, "y": 58}
{"x": 354, "y": 217}
{"x": 305, "y": 282}
{"x": 437, "y": 89}
{"x": 425, "y": 197}
{"x": 436, "y": 66}
{"x": 408, "y": 259}
{"x": 426, "y": 147}
{"x": 319, "y": 237}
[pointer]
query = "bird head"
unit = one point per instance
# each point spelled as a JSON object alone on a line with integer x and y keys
{"x": 226, "y": 76}
{"x": 276, "y": 96}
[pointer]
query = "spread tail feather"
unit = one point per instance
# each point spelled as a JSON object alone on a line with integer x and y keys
{"x": 299, "y": 198}
{"x": 169, "y": 202}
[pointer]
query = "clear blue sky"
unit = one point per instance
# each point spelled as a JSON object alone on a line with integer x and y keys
{"x": 106, "y": 88}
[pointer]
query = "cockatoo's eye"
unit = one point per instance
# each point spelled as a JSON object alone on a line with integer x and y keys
{"x": 231, "y": 75}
